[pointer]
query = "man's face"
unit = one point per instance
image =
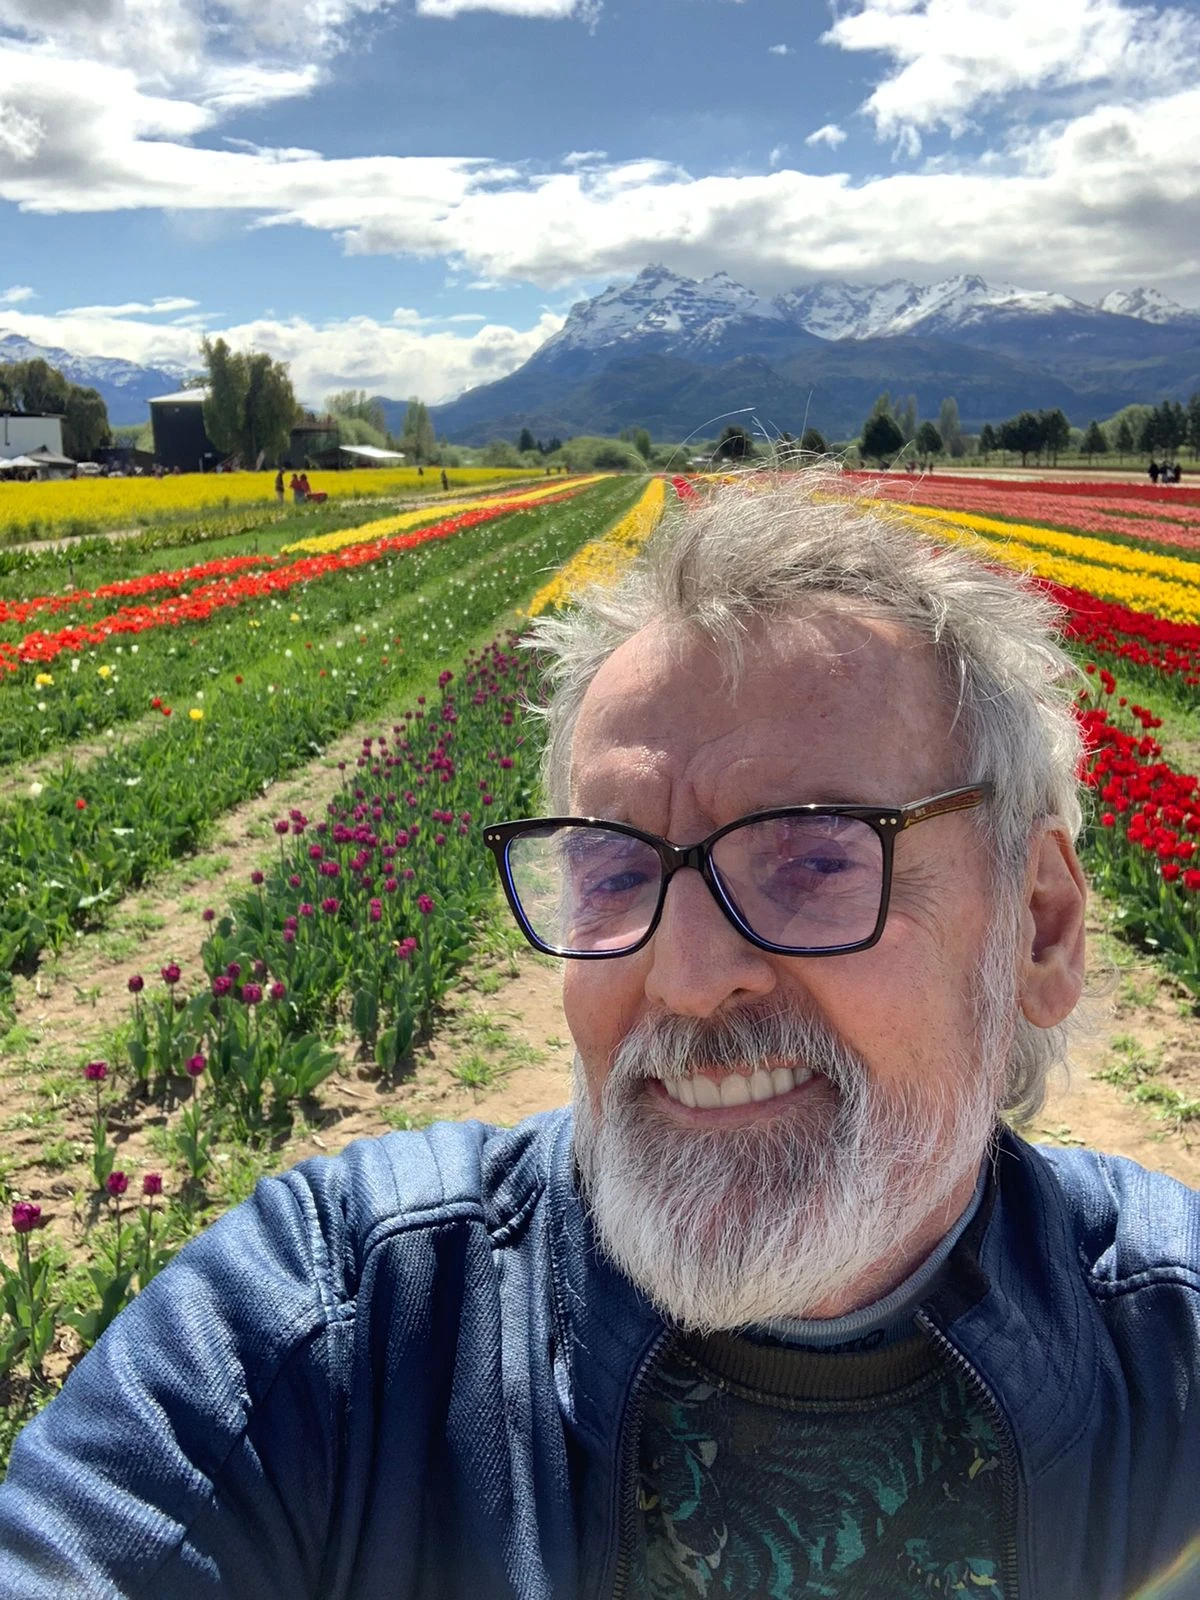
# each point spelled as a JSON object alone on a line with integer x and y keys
{"x": 818, "y": 1195}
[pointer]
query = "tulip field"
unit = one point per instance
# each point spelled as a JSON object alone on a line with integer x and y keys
{"x": 146, "y": 695}
{"x": 84, "y": 505}
{"x": 1132, "y": 619}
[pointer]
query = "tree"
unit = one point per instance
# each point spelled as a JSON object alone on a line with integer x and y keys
{"x": 496, "y": 453}
{"x": 1024, "y": 433}
{"x": 643, "y": 443}
{"x": 813, "y": 443}
{"x": 225, "y": 405}
{"x": 37, "y": 387}
{"x": 251, "y": 405}
{"x": 735, "y": 444}
{"x": 1193, "y": 425}
{"x": 881, "y": 437}
{"x": 1056, "y": 432}
{"x": 987, "y": 440}
{"x": 85, "y": 423}
{"x": 1124, "y": 439}
{"x": 906, "y": 418}
{"x": 271, "y": 409}
{"x": 1094, "y": 442}
{"x": 929, "y": 440}
{"x": 526, "y": 442}
{"x": 354, "y": 405}
{"x": 950, "y": 428}
{"x": 419, "y": 442}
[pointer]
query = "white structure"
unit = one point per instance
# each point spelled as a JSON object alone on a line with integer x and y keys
{"x": 19, "y": 435}
{"x": 370, "y": 454}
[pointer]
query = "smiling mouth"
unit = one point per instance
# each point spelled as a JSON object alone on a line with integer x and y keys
{"x": 701, "y": 1093}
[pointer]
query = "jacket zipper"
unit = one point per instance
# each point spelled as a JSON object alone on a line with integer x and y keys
{"x": 1009, "y": 1561}
{"x": 631, "y": 1432}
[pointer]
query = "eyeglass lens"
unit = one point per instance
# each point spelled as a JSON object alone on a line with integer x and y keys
{"x": 807, "y": 882}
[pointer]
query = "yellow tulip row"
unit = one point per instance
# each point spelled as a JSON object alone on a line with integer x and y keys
{"x": 1075, "y": 546}
{"x": 602, "y": 561}
{"x": 385, "y": 527}
{"x": 122, "y": 502}
{"x": 1180, "y": 602}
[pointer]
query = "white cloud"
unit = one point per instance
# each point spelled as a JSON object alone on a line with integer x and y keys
{"x": 779, "y": 50}
{"x": 829, "y": 133}
{"x": 775, "y": 155}
{"x": 17, "y": 295}
{"x": 1104, "y": 197}
{"x": 388, "y": 358}
{"x": 135, "y": 308}
{"x": 953, "y": 56}
{"x": 549, "y": 10}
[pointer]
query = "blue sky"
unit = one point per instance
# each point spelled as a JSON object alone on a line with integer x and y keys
{"x": 408, "y": 195}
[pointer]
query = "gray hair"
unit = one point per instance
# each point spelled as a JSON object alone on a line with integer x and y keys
{"x": 769, "y": 547}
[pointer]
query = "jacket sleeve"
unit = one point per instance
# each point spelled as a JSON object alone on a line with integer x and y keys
{"x": 194, "y": 1450}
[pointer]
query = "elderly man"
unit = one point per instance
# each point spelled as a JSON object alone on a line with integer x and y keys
{"x": 784, "y": 1308}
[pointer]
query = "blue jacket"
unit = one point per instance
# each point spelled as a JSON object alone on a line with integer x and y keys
{"x": 406, "y": 1372}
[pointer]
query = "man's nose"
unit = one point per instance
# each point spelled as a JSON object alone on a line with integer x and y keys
{"x": 699, "y": 962}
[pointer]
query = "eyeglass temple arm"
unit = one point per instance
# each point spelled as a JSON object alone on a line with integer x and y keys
{"x": 939, "y": 805}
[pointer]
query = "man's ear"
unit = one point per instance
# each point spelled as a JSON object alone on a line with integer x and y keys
{"x": 1051, "y": 957}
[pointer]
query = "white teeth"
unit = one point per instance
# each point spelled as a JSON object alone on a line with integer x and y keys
{"x": 708, "y": 1096}
{"x": 734, "y": 1088}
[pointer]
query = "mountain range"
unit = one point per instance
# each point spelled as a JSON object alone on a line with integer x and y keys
{"x": 679, "y": 356}
{"x": 683, "y": 356}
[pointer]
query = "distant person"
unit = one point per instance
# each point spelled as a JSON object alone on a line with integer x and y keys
{"x": 445, "y": 479}
{"x": 279, "y": 486}
{"x": 305, "y": 491}
{"x": 297, "y": 490}
{"x": 1153, "y": 470}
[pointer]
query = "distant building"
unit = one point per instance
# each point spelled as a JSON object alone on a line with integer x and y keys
{"x": 19, "y": 434}
{"x": 179, "y": 436}
{"x": 313, "y": 442}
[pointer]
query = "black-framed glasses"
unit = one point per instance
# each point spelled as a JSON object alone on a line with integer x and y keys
{"x": 809, "y": 880}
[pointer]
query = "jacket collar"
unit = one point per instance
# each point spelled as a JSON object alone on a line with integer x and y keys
{"x": 1015, "y": 1303}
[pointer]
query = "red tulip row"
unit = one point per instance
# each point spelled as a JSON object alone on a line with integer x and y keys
{"x": 1069, "y": 489}
{"x": 199, "y": 603}
{"x": 1028, "y": 503}
{"x": 1155, "y": 644}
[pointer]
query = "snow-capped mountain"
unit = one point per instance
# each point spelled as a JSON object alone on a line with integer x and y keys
{"x": 890, "y": 310}
{"x": 659, "y": 308}
{"x": 672, "y": 353}
{"x": 705, "y": 319}
{"x": 125, "y": 385}
{"x": 1148, "y": 305}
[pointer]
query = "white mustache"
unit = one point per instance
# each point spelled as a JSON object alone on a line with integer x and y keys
{"x": 754, "y": 1038}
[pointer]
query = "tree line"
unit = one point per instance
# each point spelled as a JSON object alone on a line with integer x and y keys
{"x": 1164, "y": 429}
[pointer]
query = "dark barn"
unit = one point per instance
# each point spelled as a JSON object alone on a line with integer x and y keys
{"x": 179, "y": 436}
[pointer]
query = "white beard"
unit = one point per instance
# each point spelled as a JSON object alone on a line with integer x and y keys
{"x": 743, "y": 1225}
